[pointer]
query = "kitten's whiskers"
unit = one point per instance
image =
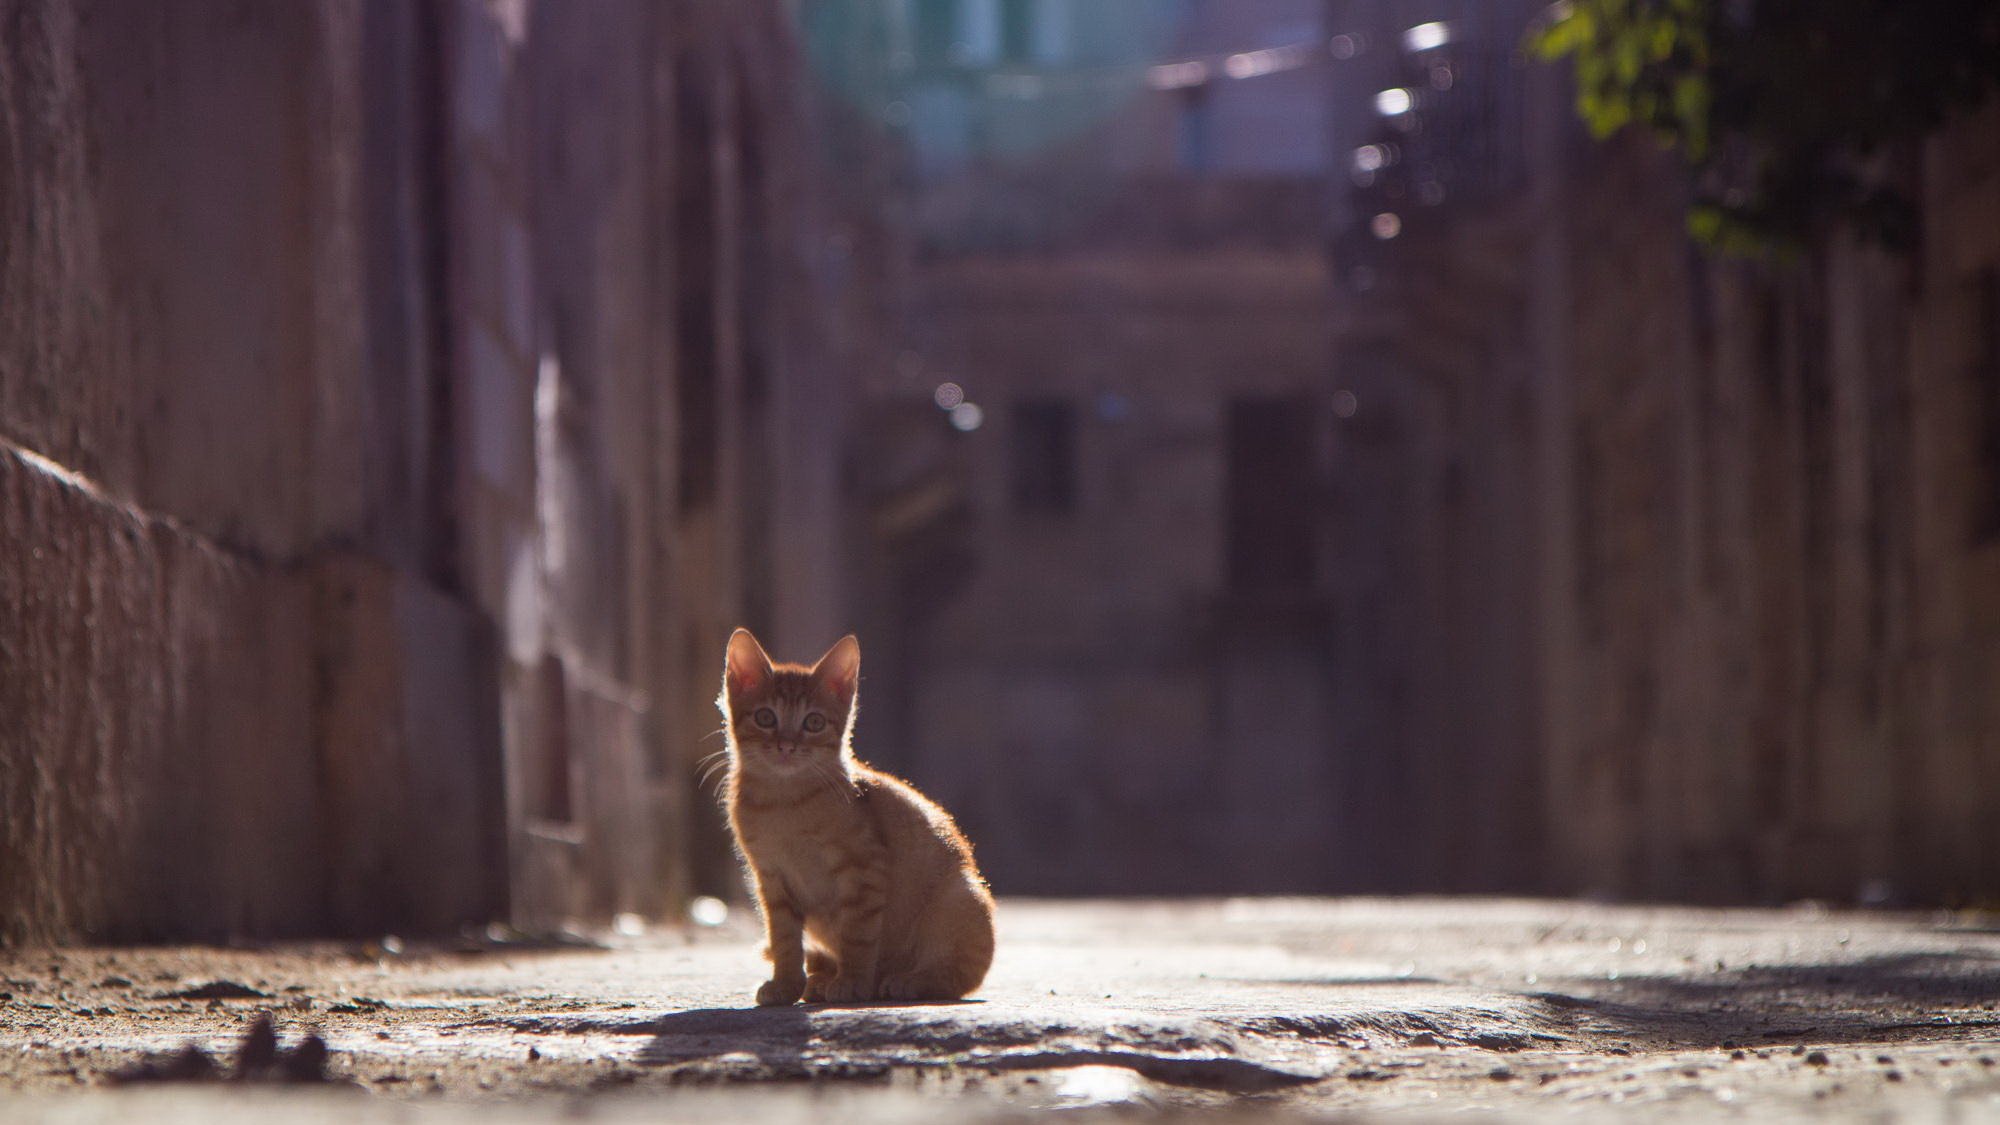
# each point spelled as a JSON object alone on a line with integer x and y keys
{"x": 708, "y": 763}
{"x": 840, "y": 786}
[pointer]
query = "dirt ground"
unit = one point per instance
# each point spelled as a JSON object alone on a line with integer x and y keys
{"x": 1253, "y": 1007}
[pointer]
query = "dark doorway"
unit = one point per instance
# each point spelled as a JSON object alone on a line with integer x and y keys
{"x": 1271, "y": 543}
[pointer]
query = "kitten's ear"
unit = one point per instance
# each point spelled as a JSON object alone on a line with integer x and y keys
{"x": 840, "y": 669}
{"x": 748, "y": 668}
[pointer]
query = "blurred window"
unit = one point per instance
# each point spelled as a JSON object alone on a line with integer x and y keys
{"x": 1042, "y": 456}
{"x": 695, "y": 266}
{"x": 1986, "y": 385}
{"x": 1017, "y": 19}
{"x": 1195, "y": 138}
{"x": 551, "y": 772}
{"x": 940, "y": 129}
{"x": 977, "y": 42}
{"x": 937, "y": 25}
{"x": 900, "y": 31}
{"x": 1050, "y": 31}
{"x": 1271, "y": 474}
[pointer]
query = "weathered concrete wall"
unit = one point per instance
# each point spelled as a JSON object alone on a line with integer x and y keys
{"x": 349, "y": 398}
{"x": 159, "y": 766}
{"x": 1433, "y": 697}
{"x": 1781, "y": 661}
{"x": 174, "y": 302}
{"x": 1685, "y": 589}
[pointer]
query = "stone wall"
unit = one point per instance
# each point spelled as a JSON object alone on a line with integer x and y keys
{"x": 1684, "y": 590}
{"x": 1777, "y": 659}
{"x": 391, "y": 394}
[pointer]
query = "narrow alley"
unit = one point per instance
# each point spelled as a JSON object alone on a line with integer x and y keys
{"x": 1515, "y": 1007}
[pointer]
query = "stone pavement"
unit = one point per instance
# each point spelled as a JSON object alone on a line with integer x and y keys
{"x": 1259, "y": 1006}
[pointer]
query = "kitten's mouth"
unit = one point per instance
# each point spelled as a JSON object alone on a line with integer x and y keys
{"x": 784, "y": 755}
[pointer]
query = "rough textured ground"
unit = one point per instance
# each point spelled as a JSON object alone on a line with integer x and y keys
{"x": 1256, "y": 1006}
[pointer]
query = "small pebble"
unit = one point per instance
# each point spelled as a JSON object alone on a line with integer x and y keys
{"x": 1817, "y": 1058}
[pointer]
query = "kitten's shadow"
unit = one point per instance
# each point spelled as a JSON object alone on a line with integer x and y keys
{"x": 775, "y": 1038}
{"x": 887, "y": 1005}
{"x": 766, "y": 1042}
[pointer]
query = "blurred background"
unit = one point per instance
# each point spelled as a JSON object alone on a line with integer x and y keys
{"x": 1264, "y": 446}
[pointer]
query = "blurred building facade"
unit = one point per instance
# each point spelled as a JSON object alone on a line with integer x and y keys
{"x": 1097, "y": 593}
{"x": 1371, "y": 487}
{"x": 397, "y": 401}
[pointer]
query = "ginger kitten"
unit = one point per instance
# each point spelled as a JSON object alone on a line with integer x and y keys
{"x": 867, "y": 888}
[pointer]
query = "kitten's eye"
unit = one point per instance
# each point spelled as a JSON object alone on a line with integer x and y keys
{"x": 815, "y": 723}
{"x": 766, "y": 718}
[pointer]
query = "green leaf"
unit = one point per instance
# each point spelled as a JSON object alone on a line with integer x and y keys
{"x": 1691, "y": 109}
{"x": 1705, "y": 224}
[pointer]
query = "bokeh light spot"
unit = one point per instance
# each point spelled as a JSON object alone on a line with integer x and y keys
{"x": 1426, "y": 36}
{"x": 1393, "y": 102}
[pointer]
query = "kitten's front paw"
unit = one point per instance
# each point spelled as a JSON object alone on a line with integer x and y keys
{"x": 816, "y": 984}
{"x": 846, "y": 990}
{"x": 904, "y": 987}
{"x": 778, "y": 992}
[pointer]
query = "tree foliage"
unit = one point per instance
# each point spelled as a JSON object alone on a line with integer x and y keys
{"x": 1791, "y": 112}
